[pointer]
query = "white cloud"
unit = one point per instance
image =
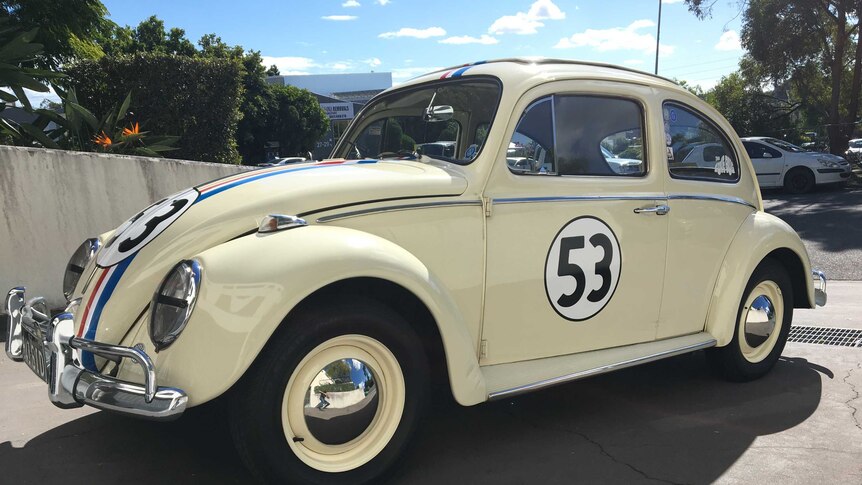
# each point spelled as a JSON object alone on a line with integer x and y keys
{"x": 351, "y": 4}
{"x": 289, "y": 66}
{"x": 340, "y": 18}
{"x": 356, "y": 364}
{"x": 527, "y": 23}
{"x": 415, "y": 33}
{"x": 373, "y": 62}
{"x": 383, "y": 3}
{"x": 466, "y": 39}
{"x": 729, "y": 41}
{"x": 616, "y": 39}
{"x": 340, "y": 66}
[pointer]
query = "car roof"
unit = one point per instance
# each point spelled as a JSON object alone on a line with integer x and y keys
{"x": 519, "y": 70}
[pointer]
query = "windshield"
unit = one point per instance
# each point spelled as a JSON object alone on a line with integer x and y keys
{"x": 855, "y": 143}
{"x": 445, "y": 120}
{"x": 788, "y": 147}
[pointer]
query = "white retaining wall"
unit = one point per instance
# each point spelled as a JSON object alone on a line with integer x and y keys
{"x": 52, "y": 200}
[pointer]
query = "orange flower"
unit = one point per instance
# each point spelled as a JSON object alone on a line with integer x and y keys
{"x": 102, "y": 140}
{"x": 134, "y": 130}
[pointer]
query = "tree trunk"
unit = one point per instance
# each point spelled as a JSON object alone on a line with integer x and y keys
{"x": 837, "y": 141}
{"x": 853, "y": 108}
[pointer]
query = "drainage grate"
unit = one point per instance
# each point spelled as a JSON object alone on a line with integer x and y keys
{"x": 843, "y": 337}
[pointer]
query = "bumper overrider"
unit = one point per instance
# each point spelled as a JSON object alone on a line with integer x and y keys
{"x": 49, "y": 347}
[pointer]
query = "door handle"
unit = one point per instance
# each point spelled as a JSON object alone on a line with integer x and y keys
{"x": 658, "y": 210}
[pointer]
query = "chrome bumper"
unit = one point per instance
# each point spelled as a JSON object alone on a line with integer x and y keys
{"x": 819, "y": 287}
{"x": 53, "y": 353}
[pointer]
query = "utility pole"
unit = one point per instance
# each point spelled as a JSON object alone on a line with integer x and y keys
{"x": 657, "y": 37}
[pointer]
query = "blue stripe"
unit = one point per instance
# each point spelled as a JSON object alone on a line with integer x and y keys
{"x": 460, "y": 71}
{"x": 87, "y": 357}
{"x": 272, "y": 174}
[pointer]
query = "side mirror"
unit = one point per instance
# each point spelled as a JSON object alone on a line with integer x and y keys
{"x": 436, "y": 114}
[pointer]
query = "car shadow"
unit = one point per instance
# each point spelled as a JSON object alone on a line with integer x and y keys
{"x": 832, "y": 217}
{"x": 668, "y": 421}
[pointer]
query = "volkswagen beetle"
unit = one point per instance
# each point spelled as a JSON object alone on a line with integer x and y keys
{"x": 325, "y": 303}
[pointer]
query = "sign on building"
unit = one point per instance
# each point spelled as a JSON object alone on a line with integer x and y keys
{"x": 338, "y": 111}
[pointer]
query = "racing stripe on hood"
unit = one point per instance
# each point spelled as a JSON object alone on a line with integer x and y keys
{"x": 218, "y": 187}
{"x": 106, "y": 282}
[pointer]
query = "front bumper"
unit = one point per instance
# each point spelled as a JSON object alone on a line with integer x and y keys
{"x": 51, "y": 350}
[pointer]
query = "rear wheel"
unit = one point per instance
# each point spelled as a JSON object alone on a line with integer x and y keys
{"x": 334, "y": 397}
{"x": 762, "y": 325}
{"x": 799, "y": 180}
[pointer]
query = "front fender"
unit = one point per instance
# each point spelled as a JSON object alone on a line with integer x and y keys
{"x": 759, "y": 235}
{"x": 250, "y": 284}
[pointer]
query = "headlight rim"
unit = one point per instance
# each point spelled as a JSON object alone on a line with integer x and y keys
{"x": 94, "y": 245}
{"x": 164, "y": 341}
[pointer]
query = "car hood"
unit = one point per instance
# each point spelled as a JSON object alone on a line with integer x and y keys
{"x": 135, "y": 258}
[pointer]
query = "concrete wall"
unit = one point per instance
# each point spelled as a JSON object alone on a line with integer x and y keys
{"x": 52, "y": 200}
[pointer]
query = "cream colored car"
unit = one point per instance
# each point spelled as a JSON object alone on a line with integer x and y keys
{"x": 326, "y": 303}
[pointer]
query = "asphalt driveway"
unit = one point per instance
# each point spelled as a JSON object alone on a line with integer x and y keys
{"x": 829, "y": 220}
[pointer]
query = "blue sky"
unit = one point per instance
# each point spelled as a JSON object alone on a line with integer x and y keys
{"x": 409, "y": 37}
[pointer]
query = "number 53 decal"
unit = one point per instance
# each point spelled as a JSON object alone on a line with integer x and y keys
{"x": 582, "y": 268}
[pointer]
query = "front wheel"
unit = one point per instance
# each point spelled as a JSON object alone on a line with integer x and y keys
{"x": 762, "y": 325}
{"x": 334, "y": 398}
{"x": 799, "y": 180}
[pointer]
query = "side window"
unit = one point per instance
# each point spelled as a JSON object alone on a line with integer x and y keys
{"x": 531, "y": 150}
{"x": 599, "y": 136}
{"x": 579, "y": 135}
{"x": 757, "y": 150}
{"x": 696, "y": 149}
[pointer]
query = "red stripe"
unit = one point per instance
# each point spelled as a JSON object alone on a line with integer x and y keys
{"x": 90, "y": 302}
{"x": 331, "y": 162}
{"x": 447, "y": 73}
{"x": 251, "y": 173}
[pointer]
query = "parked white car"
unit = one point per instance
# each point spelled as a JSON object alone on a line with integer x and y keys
{"x": 854, "y": 150}
{"x": 778, "y": 163}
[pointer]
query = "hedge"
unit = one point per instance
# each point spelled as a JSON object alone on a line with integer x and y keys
{"x": 195, "y": 99}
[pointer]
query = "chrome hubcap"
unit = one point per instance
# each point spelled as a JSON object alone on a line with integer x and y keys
{"x": 759, "y": 321}
{"x": 341, "y": 401}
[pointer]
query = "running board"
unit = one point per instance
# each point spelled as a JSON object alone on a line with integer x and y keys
{"x": 506, "y": 380}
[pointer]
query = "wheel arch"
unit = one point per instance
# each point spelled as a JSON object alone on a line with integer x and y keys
{"x": 761, "y": 236}
{"x": 251, "y": 285}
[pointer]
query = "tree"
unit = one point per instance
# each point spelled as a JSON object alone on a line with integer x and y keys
{"x": 67, "y": 28}
{"x": 786, "y": 37}
{"x": 297, "y": 119}
{"x": 148, "y": 36}
{"x": 751, "y": 111}
{"x": 273, "y": 71}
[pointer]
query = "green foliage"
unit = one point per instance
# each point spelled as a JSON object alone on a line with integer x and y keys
{"x": 195, "y": 99}
{"x": 148, "y": 36}
{"x": 751, "y": 111}
{"x": 272, "y": 70}
{"x": 343, "y": 387}
{"x": 338, "y": 370}
{"x": 66, "y": 28}
{"x": 297, "y": 120}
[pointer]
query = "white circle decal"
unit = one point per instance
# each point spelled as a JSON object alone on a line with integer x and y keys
{"x": 583, "y": 268}
{"x": 135, "y": 233}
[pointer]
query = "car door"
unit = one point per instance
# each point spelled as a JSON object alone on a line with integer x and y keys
{"x": 575, "y": 250}
{"x": 768, "y": 163}
{"x": 707, "y": 207}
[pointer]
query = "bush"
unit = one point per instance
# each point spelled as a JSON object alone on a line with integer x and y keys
{"x": 195, "y": 99}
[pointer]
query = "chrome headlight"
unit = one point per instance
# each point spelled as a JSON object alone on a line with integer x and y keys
{"x": 80, "y": 259}
{"x": 828, "y": 163}
{"x": 173, "y": 303}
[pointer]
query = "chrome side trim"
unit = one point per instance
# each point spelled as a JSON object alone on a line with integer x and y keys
{"x": 401, "y": 207}
{"x": 716, "y": 198}
{"x": 574, "y": 198}
{"x": 599, "y": 370}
